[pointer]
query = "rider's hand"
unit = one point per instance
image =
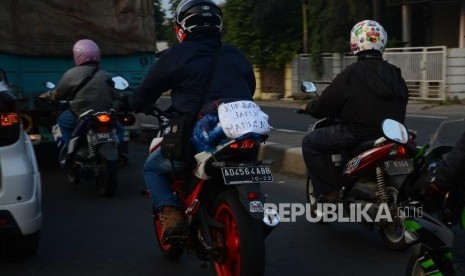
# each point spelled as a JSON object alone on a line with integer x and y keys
{"x": 45, "y": 96}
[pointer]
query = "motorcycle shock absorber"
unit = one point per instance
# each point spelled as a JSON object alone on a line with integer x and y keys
{"x": 91, "y": 147}
{"x": 381, "y": 185}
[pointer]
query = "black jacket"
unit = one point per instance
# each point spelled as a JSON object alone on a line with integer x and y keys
{"x": 363, "y": 95}
{"x": 184, "y": 69}
{"x": 451, "y": 173}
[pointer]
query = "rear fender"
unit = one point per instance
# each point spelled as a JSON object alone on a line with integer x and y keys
{"x": 251, "y": 197}
{"x": 429, "y": 231}
{"x": 109, "y": 151}
{"x": 253, "y": 200}
{"x": 73, "y": 143}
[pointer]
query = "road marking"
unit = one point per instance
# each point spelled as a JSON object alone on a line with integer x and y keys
{"x": 288, "y": 130}
{"x": 426, "y": 116}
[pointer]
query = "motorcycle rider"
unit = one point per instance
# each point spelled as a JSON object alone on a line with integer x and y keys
{"x": 360, "y": 97}
{"x": 448, "y": 177}
{"x": 98, "y": 94}
{"x": 184, "y": 69}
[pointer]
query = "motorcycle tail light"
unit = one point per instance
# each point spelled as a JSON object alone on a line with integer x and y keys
{"x": 9, "y": 119}
{"x": 398, "y": 151}
{"x": 245, "y": 144}
{"x": 127, "y": 119}
{"x": 103, "y": 118}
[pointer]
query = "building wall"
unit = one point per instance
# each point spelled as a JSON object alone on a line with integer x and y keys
{"x": 455, "y": 73}
{"x": 445, "y": 24}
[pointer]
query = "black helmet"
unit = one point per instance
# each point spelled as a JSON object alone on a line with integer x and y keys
{"x": 196, "y": 15}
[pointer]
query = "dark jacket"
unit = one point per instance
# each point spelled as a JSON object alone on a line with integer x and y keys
{"x": 184, "y": 69}
{"x": 363, "y": 95}
{"x": 451, "y": 173}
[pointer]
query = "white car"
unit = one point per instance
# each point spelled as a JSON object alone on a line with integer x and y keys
{"x": 20, "y": 184}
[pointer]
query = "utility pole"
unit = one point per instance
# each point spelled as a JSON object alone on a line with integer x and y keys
{"x": 304, "y": 27}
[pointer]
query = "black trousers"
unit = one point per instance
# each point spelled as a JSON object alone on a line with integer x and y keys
{"x": 317, "y": 148}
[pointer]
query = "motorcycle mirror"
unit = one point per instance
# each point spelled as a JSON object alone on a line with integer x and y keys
{"x": 120, "y": 83}
{"x": 49, "y": 85}
{"x": 308, "y": 87}
{"x": 395, "y": 131}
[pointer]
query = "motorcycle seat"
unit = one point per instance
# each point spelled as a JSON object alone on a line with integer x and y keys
{"x": 361, "y": 147}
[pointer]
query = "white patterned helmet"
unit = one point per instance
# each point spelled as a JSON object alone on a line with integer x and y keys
{"x": 368, "y": 35}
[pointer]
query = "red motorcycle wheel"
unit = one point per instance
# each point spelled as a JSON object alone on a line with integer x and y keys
{"x": 241, "y": 244}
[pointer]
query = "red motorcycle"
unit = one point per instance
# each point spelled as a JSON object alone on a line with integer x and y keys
{"x": 224, "y": 207}
{"x": 372, "y": 176}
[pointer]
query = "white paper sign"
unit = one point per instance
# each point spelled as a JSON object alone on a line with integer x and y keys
{"x": 241, "y": 117}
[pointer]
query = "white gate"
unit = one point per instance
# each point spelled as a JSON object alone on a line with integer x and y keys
{"x": 423, "y": 68}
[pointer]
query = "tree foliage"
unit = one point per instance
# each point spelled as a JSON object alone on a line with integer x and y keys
{"x": 163, "y": 33}
{"x": 330, "y": 23}
{"x": 267, "y": 31}
{"x": 270, "y": 32}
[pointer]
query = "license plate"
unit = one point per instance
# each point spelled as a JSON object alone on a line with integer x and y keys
{"x": 246, "y": 174}
{"x": 103, "y": 138}
{"x": 399, "y": 167}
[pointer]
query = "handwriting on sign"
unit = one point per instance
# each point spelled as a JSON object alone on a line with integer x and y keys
{"x": 241, "y": 117}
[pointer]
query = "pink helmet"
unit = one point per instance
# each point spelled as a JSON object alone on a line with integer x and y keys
{"x": 86, "y": 50}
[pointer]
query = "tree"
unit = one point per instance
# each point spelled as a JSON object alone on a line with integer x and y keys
{"x": 265, "y": 30}
{"x": 162, "y": 32}
{"x": 330, "y": 23}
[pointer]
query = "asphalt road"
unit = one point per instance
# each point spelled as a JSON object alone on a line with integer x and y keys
{"x": 86, "y": 234}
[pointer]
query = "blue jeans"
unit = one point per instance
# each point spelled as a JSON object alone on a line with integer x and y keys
{"x": 67, "y": 122}
{"x": 158, "y": 178}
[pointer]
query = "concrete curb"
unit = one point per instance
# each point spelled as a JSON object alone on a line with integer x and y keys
{"x": 286, "y": 160}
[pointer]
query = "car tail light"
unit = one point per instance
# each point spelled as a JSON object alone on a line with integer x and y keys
{"x": 9, "y": 119}
{"x": 103, "y": 118}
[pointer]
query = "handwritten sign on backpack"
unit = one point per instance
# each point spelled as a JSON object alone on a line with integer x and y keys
{"x": 242, "y": 117}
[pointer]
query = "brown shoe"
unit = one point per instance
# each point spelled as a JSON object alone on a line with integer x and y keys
{"x": 173, "y": 223}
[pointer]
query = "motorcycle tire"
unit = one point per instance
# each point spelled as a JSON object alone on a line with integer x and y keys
{"x": 107, "y": 178}
{"x": 240, "y": 243}
{"x": 309, "y": 192}
{"x": 172, "y": 251}
{"x": 414, "y": 267}
{"x": 72, "y": 174}
{"x": 391, "y": 239}
{"x": 393, "y": 233}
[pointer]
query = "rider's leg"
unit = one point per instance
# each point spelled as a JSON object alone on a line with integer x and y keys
{"x": 67, "y": 122}
{"x": 317, "y": 147}
{"x": 157, "y": 175}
